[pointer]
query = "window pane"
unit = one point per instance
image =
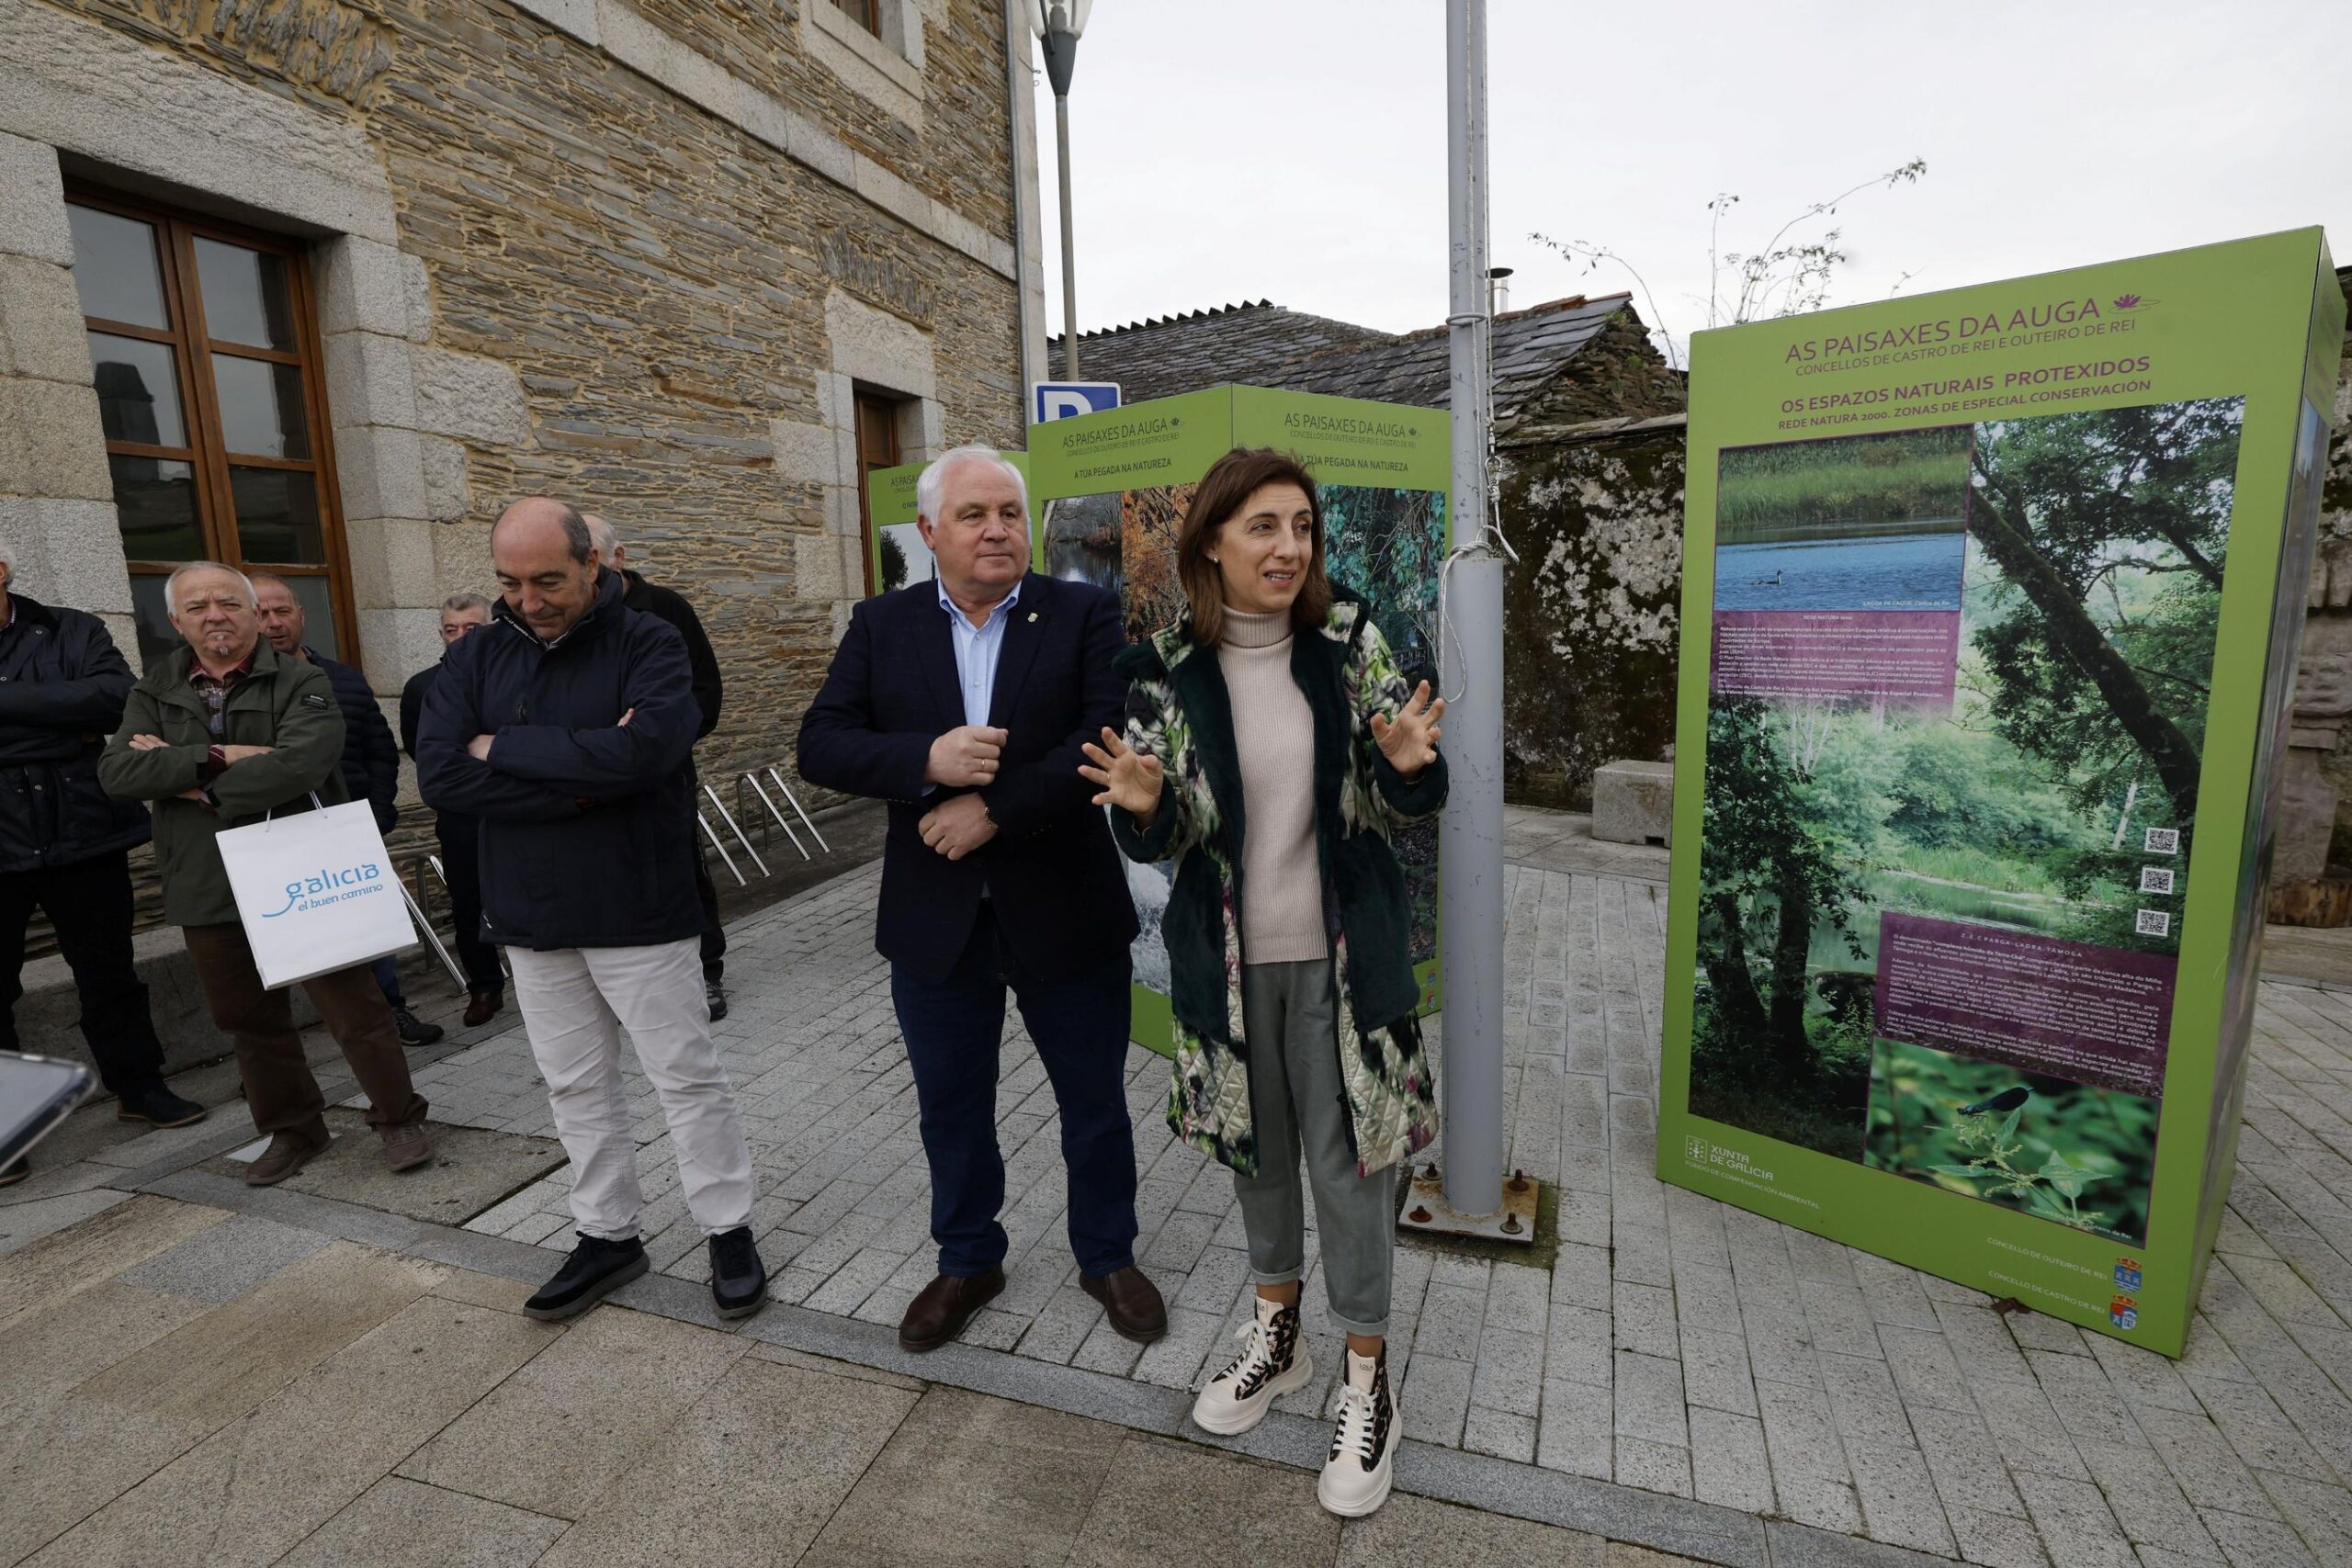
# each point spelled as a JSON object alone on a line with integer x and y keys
{"x": 245, "y": 293}
{"x": 278, "y": 516}
{"x": 154, "y": 501}
{"x": 318, "y": 614}
{"x": 115, "y": 268}
{"x": 139, "y": 390}
{"x": 157, "y": 635}
{"x": 260, "y": 407}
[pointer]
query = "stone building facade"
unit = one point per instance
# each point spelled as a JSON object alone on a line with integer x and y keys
{"x": 663, "y": 258}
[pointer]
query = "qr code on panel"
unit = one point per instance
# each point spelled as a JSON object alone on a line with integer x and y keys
{"x": 2155, "y": 922}
{"x": 2164, "y": 841}
{"x": 2155, "y": 879}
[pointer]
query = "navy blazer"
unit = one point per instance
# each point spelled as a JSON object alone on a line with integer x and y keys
{"x": 1059, "y": 887}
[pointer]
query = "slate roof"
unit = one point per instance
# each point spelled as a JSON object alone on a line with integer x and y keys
{"x": 1264, "y": 344}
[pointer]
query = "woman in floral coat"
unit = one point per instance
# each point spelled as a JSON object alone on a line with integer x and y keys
{"x": 1270, "y": 749}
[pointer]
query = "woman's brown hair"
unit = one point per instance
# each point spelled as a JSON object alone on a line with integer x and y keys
{"x": 1222, "y": 492}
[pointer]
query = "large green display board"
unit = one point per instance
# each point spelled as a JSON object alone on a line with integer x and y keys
{"x": 892, "y": 540}
{"x": 1991, "y": 601}
{"x": 1110, "y": 489}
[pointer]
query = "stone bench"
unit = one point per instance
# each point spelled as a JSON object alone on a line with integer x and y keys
{"x": 1632, "y": 803}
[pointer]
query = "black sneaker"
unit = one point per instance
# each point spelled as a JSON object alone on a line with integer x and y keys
{"x": 12, "y": 1174}
{"x": 738, "y": 1281}
{"x": 596, "y": 1269}
{"x": 154, "y": 1103}
{"x": 715, "y": 995}
{"x": 414, "y": 1033}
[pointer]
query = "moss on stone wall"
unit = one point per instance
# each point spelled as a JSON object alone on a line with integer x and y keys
{"x": 1591, "y": 613}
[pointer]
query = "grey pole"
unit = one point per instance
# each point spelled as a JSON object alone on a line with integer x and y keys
{"x": 1069, "y": 252}
{"x": 1061, "y": 58}
{"x": 1470, "y": 875}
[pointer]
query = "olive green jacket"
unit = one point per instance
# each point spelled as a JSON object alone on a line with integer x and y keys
{"x": 286, "y": 704}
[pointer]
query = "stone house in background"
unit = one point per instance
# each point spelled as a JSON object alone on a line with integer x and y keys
{"x": 1588, "y": 428}
{"x": 317, "y": 287}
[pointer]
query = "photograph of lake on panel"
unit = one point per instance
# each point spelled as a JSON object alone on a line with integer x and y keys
{"x": 1854, "y": 522}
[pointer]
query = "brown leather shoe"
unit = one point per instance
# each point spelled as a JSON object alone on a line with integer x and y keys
{"x": 483, "y": 1006}
{"x": 407, "y": 1148}
{"x": 287, "y": 1153}
{"x": 1131, "y": 1302}
{"x": 944, "y": 1306}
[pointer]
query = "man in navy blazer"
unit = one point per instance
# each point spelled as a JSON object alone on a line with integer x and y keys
{"x": 962, "y": 702}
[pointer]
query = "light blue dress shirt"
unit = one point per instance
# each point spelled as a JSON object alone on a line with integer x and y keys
{"x": 977, "y": 651}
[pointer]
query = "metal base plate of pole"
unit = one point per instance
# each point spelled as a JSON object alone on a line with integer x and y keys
{"x": 1428, "y": 1213}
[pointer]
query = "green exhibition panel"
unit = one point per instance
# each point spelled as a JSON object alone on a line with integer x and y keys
{"x": 1991, "y": 601}
{"x": 899, "y": 555}
{"x": 1110, "y": 492}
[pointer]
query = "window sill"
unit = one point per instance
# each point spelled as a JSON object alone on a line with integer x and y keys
{"x": 866, "y": 64}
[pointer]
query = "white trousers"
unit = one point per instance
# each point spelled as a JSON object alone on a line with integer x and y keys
{"x": 575, "y": 1002}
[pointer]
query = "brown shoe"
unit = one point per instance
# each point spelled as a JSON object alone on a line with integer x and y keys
{"x": 482, "y": 1007}
{"x": 944, "y": 1306}
{"x": 1131, "y": 1302}
{"x": 407, "y": 1148}
{"x": 287, "y": 1153}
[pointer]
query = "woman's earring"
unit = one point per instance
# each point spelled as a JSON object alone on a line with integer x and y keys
{"x": 1213, "y": 561}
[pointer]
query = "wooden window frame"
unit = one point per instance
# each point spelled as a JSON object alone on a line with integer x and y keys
{"x": 866, "y": 14}
{"x": 206, "y": 453}
{"x": 882, "y": 409}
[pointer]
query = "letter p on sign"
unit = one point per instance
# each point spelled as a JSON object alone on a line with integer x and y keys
{"x": 1067, "y": 399}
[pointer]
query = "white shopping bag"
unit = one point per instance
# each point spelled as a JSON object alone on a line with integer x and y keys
{"x": 316, "y": 892}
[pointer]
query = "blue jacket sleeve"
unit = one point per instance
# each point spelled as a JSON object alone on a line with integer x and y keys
{"x": 370, "y": 740}
{"x": 656, "y": 691}
{"x": 839, "y": 746}
{"x": 450, "y": 778}
{"x": 1028, "y": 799}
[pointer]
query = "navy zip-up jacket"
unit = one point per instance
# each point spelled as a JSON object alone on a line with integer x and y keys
{"x": 371, "y": 763}
{"x": 587, "y": 824}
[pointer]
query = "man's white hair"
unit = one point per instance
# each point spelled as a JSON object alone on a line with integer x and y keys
{"x": 933, "y": 478}
{"x": 172, "y": 584}
{"x": 603, "y": 534}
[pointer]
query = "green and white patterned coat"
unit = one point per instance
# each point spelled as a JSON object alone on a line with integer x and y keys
{"x": 1179, "y": 712}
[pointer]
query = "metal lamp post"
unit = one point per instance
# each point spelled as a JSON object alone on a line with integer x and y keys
{"x": 1059, "y": 24}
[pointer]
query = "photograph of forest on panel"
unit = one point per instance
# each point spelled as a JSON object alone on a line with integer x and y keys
{"x": 2054, "y": 797}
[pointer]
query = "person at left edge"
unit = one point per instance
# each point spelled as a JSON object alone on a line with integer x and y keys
{"x": 372, "y": 762}
{"x": 216, "y": 736}
{"x": 65, "y": 844}
{"x": 964, "y": 703}
{"x": 710, "y": 689}
{"x": 563, "y": 727}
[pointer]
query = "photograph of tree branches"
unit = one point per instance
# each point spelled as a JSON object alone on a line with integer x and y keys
{"x": 2096, "y": 546}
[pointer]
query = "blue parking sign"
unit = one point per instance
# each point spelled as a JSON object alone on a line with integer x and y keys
{"x": 1066, "y": 399}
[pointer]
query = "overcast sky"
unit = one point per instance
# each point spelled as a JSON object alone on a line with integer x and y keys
{"x": 1294, "y": 150}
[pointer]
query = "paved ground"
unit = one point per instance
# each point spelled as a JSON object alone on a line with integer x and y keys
{"x": 1687, "y": 1375}
{"x": 187, "y": 1385}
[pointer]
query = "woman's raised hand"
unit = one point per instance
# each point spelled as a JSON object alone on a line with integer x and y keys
{"x": 1129, "y": 779}
{"x": 1410, "y": 743}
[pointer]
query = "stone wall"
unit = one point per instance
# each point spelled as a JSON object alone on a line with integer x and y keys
{"x": 1591, "y": 612}
{"x": 640, "y": 255}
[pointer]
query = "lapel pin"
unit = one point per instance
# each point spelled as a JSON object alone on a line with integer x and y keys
{"x": 1032, "y": 617}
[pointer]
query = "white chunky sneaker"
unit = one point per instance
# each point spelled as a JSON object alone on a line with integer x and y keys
{"x": 1364, "y": 1445}
{"x": 1271, "y": 1363}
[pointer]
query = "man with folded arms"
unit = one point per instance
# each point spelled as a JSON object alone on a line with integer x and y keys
{"x": 563, "y": 726}
{"x": 215, "y": 736}
{"x": 964, "y": 703}
{"x": 65, "y": 844}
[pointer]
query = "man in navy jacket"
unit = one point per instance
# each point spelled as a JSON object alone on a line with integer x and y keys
{"x": 964, "y": 703}
{"x": 371, "y": 763}
{"x": 563, "y": 726}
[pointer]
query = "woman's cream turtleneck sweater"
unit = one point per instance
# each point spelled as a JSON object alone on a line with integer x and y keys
{"x": 1282, "y": 900}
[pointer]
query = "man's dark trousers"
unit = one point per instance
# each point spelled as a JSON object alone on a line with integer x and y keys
{"x": 714, "y": 935}
{"x": 461, "y": 867}
{"x": 1080, "y": 1026}
{"x": 88, "y": 904}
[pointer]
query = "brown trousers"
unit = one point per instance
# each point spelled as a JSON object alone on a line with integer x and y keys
{"x": 279, "y": 1089}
